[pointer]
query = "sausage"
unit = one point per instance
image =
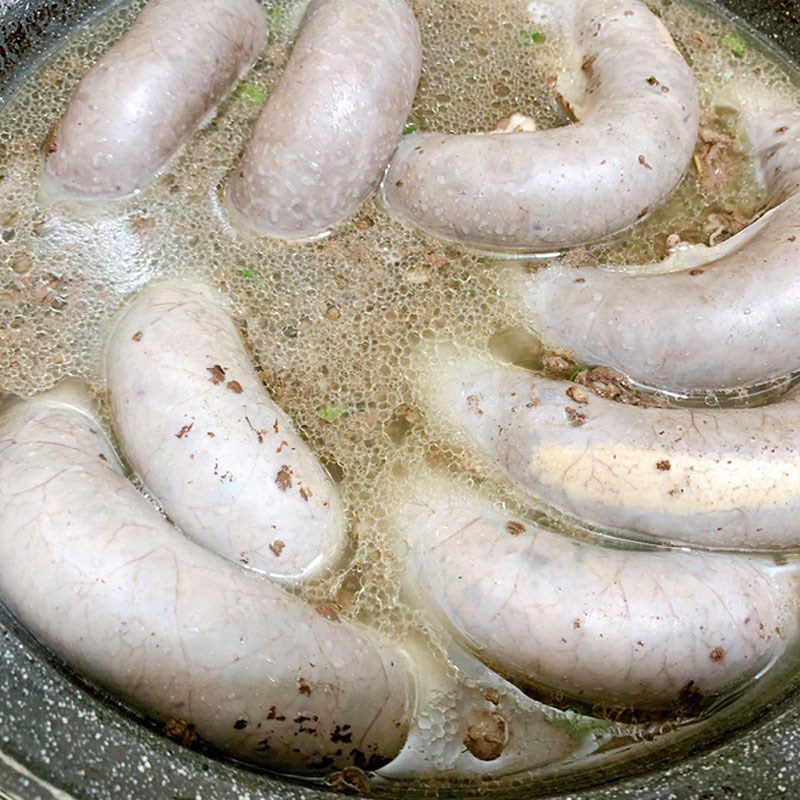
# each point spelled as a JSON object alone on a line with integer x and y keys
{"x": 209, "y": 443}
{"x": 481, "y": 725}
{"x": 724, "y": 478}
{"x": 547, "y": 190}
{"x": 95, "y": 573}
{"x": 729, "y": 317}
{"x": 148, "y": 95}
{"x": 327, "y": 132}
{"x": 646, "y": 631}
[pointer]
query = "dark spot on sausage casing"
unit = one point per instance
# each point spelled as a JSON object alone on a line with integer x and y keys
{"x": 217, "y": 374}
{"x": 184, "y": 430}
{"x": 277, "y": 547}
{"x": 284, "y": 478}
{"x": 515, "y": 528}
{"x": 240, "y": 724}
{"x": 576, "y": 418}
{"x": 717, "y": 654}
{"x": 664, "y": 465}
{"x": 235, "y": 386}
{"x": 303, "y": 687}
{"x": 273, "y": 714}
{"x": 137, "y": 337}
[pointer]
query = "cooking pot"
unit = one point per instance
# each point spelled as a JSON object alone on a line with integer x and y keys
{"x": 60, "y": 741}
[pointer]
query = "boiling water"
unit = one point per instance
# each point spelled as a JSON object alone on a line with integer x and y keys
{"x": 333, "y": 326}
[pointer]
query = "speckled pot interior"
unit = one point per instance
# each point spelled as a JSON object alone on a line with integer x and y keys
{"x": 59, "y": 741}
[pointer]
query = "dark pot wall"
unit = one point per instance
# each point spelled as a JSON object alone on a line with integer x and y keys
{"x": 49, "y": 725}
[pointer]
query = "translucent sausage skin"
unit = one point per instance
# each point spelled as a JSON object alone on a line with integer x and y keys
{"x": 148, "y": 94}
{"x": 547, "y": 190}
{"x": 327, "y": 132}
{"x": 719, "y": 477}
{"x": 729, "y": 318}
{"x": 200, "y": 429}
{"x": 651, "y": 631}
{"x": 90, "y": 568}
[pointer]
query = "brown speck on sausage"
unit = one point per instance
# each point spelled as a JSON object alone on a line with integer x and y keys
{"x": 240, "y": 724}
{"x": 515, "y": 528}
{"x": 473, "y": 404}
{"x": 695, "y": 272}
{"x": 576, "y": 623}
{"x": 235, "y": 386}
{"x": 284, "y": 478}
{"x": 343, "y": 734}
{"x": 102, "y": 456}
{"x": 277, "y": 547}
{"x": 644, "y": 212}
{"x": 576, "y": 418}
{"x": 184, "y": 430}
{"x": 327, "y": 611}
{"x": 137, "y": 337}
{"x": 304, "y": 494}
{"x": 303, "y": 687}
{"x": 273, "y": 714}
{"x": 217, "y": 374}
{"x": 664, "y": 465}
{"x": 717, "y": 654}
{"x": 643, "y": 162}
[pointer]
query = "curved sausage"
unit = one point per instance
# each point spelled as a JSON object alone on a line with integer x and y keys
{"x": 104, "y": 581}
{"x": 208, "y": 442}
{"x": 481, "y": 725}
{"x": 148, "y": 94}
{"x": 329, "y": 128}
{"x": 725, "y": 478}
{"x": 649, "y": 631}
{"x": 552, "y": 189}
{"x": 728, "y": 318}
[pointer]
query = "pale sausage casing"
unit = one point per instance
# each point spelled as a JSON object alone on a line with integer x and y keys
{"x": 640, "y": 630}
{"x": 547, "y": 190}
{"x": 148, "y": 94}
{"x": 105, "y": 582}
{"x": 719, "y": 477}
{"x": 209, "y": 443}
{"x": 327, "y": 132}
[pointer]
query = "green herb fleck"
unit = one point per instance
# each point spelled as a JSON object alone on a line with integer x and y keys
{"x": 652, "y": 80}
{"x": 735, "y": 44}
{"x": 533, "y": 37}
{"x": 249, "y": 273}
{"x": 698, "y": 165}
{"x": 578, "y": 727}
{"x": 275, "y": 16}
{"x": 332, "y": 413}
{"x": 252, "y": 94}
{"x": 410, "y": 128}
{"x": 575, "y": 372}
